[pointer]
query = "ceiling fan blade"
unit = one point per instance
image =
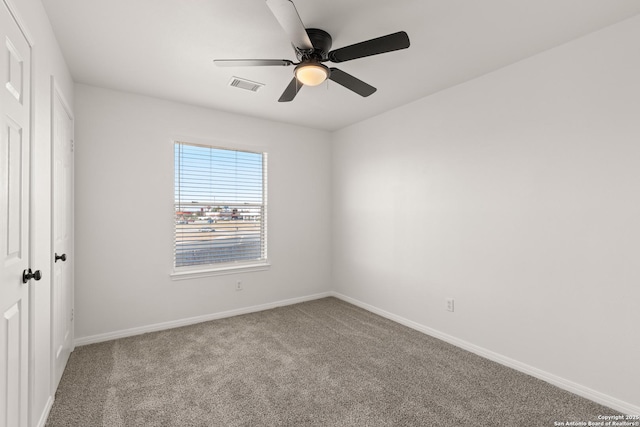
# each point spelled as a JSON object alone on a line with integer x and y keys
{"x": 287, "y": 15}
{"x": 251, "y": 62}
{"x": 384, "y": 44}
{"x": 351, "y": 83}
{"x": 291, "y": 91}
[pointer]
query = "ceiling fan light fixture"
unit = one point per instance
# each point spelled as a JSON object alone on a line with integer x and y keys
{"x": 312, "y": 74}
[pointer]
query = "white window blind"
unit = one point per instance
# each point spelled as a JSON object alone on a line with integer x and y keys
{"x": 220, "y": 206}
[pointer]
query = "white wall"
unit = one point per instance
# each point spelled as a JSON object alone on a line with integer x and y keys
{"x": 518, "y": 195}
{"x": 124, "y": 212}
{"x": 47, "y": 61}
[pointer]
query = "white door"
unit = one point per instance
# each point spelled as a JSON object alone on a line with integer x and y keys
{"x": 14, "y": 221}
{"x": 62, "y": 285}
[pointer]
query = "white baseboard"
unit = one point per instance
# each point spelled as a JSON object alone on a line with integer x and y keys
{"x": 192, "y": 320}
{"x": 45, "y": 413}
{"x": 570, "y": 386}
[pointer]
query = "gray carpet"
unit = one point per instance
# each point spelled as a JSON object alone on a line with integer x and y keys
{"x": 319, "y": 363}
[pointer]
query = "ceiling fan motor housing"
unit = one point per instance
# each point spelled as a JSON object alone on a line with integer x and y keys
{"x": 321, "y": 41}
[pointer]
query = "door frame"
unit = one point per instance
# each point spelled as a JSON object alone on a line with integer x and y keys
{"x": 56, "y": 94}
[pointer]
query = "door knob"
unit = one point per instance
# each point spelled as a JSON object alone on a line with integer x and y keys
{"x": 28, "y": 275}
{"x": 62, "y": 257}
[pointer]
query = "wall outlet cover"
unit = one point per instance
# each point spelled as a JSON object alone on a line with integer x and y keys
{"x": 449, "y": 305}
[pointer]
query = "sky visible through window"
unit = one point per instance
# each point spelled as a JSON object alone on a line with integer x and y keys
{"x": 216, "y": 177}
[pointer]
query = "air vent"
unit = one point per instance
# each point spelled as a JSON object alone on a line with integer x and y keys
{"x": 245, "y": 84}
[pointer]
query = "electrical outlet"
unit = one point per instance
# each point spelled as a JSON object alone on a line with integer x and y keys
{"x": 449, "y": 304}
{"x": 239, "y": 285}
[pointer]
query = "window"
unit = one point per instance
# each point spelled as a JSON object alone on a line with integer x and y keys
{"x": 220, "y": 208}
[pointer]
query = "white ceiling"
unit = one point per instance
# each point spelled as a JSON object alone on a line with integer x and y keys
{"x": 165, "y": 48}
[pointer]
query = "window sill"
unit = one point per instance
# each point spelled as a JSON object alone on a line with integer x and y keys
{"x": 218, "y": 271}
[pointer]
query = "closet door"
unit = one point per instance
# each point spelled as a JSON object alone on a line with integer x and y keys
{"x": 61, "y": 228}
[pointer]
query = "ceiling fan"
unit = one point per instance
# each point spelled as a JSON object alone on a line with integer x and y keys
{"x": 312, "y": 47}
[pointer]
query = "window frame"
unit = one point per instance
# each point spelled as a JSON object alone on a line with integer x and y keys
{"x": 206, "y": 270}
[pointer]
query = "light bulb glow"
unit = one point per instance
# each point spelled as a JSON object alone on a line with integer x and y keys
{"x": 312, "y": 74}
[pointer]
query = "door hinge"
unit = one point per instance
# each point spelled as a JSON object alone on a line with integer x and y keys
{"x": 72, "y": 314}
{"x": 72, "y": 145}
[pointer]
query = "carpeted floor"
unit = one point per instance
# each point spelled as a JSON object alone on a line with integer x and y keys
{"x": 319, "y": 363}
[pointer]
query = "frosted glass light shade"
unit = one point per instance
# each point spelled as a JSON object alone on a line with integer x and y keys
{"x": 312, "y": 74}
